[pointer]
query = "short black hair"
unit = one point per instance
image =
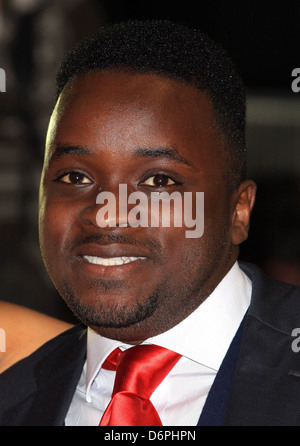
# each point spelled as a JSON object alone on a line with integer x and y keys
{"x": 178, "y": 52}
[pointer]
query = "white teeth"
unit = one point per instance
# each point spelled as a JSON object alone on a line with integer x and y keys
{"x": 112, "y": 261}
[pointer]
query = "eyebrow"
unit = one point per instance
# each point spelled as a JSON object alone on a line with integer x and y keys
{"x": 62, "y": 150}
{"x": 169, "y": 152}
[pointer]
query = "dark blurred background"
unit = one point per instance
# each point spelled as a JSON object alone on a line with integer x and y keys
{"x": 263, "y": 38}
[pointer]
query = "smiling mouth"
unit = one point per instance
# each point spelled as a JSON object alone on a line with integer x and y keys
{"x": 111, "y": 261}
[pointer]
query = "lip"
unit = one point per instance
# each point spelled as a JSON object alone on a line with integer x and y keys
{"x": 111, "y": 261}
{"x": 116, "y": 272}
{"x": 110, "y": 251}
{"x": 88, "y": 254}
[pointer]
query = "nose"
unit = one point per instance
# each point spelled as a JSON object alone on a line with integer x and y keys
{"x": 109, "y": 209}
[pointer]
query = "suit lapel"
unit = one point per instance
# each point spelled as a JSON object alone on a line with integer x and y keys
{"x": 265, "y": 389}
{"x": 266, "y": 386}
{"x": 214, "y": 410}
{"x": 44, "y": 383}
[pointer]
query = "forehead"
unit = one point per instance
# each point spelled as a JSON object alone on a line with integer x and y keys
{"x": 109, "y": 107}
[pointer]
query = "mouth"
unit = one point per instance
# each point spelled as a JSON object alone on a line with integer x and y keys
{"x": 117, "y": 268}
{"x": 115, "y": 261}
{"x": 111, "y": 261}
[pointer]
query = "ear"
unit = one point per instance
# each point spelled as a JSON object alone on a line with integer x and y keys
{"x": 244, "y": 198}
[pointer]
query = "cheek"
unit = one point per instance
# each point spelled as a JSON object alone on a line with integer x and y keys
{"x": 217, "y": 210}
{"x": 55, "y": 223}
{"x": 188, "y": 257}
{"x": 180, "y": 253}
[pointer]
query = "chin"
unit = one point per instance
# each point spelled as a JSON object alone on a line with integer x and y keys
{"x": 109, "y": 312}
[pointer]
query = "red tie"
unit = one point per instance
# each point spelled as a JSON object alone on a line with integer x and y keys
{"x": 140, "y": 370}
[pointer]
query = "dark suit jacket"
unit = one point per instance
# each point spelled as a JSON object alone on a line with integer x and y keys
{"x": 265, "y": 390}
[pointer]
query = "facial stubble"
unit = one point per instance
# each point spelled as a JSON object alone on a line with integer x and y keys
{"x": 158, "y": 311}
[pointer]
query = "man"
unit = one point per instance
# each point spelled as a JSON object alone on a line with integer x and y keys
{"x": 157, "y": 108}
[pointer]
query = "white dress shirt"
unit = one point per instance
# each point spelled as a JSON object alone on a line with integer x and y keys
{"x": 202, "y": 339}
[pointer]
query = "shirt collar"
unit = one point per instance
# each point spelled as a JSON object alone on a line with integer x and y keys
{"x": 204, "y": 336}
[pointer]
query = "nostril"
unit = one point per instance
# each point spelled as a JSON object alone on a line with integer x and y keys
{"x": 88, "y": 215}
{"x": 107, "y": 214}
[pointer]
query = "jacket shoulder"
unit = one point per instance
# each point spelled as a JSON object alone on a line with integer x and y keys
{"x": 23, "y": 331}
{"x": 274, "y": 302}
{"x": 38, "y": 389}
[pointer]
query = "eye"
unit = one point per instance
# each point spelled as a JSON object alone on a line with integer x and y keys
{"x": 74, "y": 177}
{"x": 158, "y": 180}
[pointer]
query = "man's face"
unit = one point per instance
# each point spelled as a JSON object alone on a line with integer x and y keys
{"x": 152, "y": 134}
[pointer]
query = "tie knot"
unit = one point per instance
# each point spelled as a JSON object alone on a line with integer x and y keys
{"x": 139, "y": 370}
